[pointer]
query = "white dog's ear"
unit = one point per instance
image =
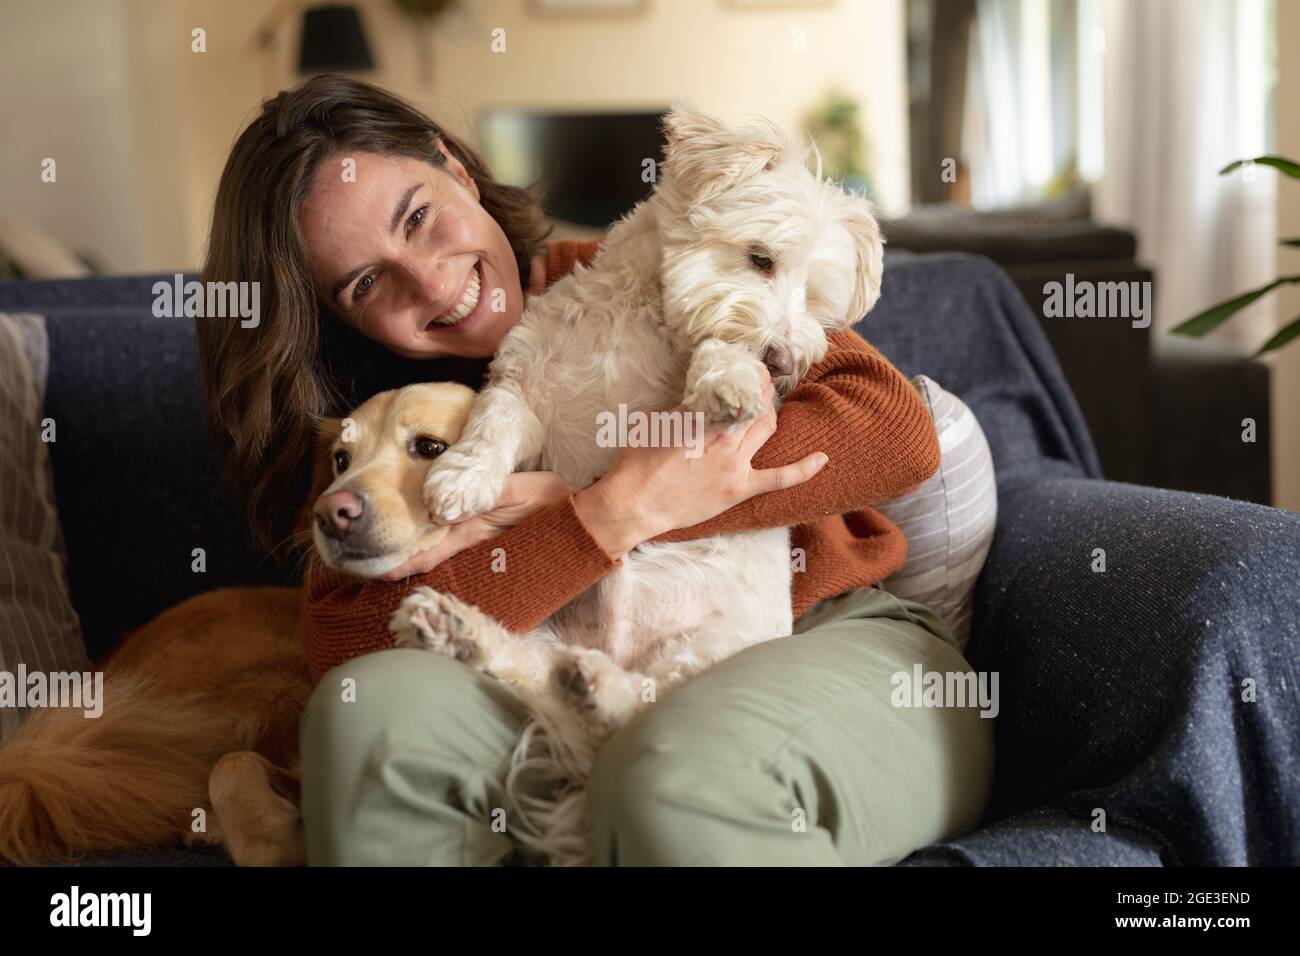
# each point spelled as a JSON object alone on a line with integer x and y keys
{"x": 705, "y": 156}
{"x": 868, "y": 254}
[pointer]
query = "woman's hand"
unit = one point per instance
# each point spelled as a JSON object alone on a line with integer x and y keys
{"x": 651, "y": 491}
{"x": 526, "y": 492}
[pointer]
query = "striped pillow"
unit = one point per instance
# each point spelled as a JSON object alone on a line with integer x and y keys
{"x": 38, "y": 627}
{"x": 949, "y": 520}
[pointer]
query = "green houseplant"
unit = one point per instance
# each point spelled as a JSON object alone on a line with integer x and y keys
{"x": 1216, "y": 315}
{"x": 836, "y": 128}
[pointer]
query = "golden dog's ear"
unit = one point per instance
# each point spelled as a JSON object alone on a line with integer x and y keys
{"x": 328, "y": 431}
{"x": 705, "y": 156}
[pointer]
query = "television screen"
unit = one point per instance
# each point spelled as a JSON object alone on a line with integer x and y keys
{"x": 591, "y": 167}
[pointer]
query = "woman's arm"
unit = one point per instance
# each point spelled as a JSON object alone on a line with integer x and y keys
{"x": 557, "y": 542}
{"x": 857, "y": 408}
{"x": 853, "y": 405}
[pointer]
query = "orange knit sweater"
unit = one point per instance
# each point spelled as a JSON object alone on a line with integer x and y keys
{"x": 853, "y": 405}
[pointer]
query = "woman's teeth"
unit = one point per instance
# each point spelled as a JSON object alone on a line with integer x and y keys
{"x": 467, "y": 303}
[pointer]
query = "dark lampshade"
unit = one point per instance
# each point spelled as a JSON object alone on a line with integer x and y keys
{"x": 332, "y": 39}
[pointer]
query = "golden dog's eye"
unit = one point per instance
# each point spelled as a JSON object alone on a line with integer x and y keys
{"x": 763, "y": 263}
{"x": 341, "y": 461}
{"x": 429, "y": 447}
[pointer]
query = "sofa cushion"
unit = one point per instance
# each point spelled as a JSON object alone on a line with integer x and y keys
{"x": 39, "y": 630}
{"x": 149, "y": 516}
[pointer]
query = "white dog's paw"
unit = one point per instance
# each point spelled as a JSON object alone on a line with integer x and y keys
{"x": 728, "y": 393}
{"x": 431, "y": 620}
{"x": 596, "y": 687}
{"x": 460, "y": 486}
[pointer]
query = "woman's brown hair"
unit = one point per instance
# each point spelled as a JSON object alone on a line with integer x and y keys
{"x": 267, "y": 386}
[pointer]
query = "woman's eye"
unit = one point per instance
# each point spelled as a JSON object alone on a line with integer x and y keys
{"x": 362, "y": 287}
{"x": 429, "y": 447}
{"x": 761, "y": 262}
{"x": 416, "y": 219}
{"x": 341, "y": 461}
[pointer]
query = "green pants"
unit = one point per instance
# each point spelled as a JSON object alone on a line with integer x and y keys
{"x": 793, "y": 752}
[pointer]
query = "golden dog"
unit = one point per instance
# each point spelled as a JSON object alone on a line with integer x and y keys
{"x": 198, "y": 741}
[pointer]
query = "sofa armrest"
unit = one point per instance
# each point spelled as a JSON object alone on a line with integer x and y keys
{"x": 1164, "y": 688}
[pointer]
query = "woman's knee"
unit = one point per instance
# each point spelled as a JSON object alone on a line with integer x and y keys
{"x": 383, "y": 738}
{"x": 850, "y": 760}
{"x": 401, "y": 694}
{"x": 380, "y": 690}
{"x": 653, "y": 786}
{"x": 633, "y": 771}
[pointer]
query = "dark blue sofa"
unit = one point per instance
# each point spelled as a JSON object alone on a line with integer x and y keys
{"x": 1121, "y": 691}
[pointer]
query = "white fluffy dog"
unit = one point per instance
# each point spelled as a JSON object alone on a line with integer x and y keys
{"x": 741, "y": 258}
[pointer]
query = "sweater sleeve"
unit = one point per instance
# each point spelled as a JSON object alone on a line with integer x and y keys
{"x": 873, "y": 426}
{"x": 563, "y": 254}
{"x": 550, "y": 558}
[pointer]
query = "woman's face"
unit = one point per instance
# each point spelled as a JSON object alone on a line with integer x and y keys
{"x": 404, "y": 253}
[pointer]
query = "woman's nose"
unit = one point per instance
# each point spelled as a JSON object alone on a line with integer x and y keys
{"x": 431, "y": 281}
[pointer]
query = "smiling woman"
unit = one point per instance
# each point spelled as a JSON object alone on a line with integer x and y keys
{"x": 356, "y": 213}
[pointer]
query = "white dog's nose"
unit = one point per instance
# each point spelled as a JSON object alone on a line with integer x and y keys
{"x": 779, "y": 361}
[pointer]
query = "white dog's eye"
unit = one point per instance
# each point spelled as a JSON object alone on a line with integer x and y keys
{"x": 341, "y": 461}
{"x": 762, "y": 262}
{"x": 427, "y": 447}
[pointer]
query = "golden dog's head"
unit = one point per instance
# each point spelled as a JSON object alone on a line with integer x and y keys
{"x": 371, "y": 517}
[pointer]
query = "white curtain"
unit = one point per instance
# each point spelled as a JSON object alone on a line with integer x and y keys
{"x": 1007, "y": 125}
{"x": 1185, "y": 94}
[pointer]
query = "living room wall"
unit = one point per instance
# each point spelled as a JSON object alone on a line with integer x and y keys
{"x": 157, "y": 137}
{"x": 140, "y": 125}
{"x": 69, "y": 89}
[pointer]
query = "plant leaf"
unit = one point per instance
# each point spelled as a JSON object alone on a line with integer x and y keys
{"x": 1283, "y": 336}
{"x": 1287, "y": 166}
{"x": 1216, "y": 315}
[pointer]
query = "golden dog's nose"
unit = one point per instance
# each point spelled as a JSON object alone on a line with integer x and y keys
{"x": 339, "y": 513}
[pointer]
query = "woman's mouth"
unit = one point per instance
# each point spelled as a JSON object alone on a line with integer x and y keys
{"x": 467, "y": 306}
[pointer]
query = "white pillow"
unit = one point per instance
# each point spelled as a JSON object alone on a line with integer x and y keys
{"x": 37, "y": 253}
{"x": 949, "y": 520}
{"x": 39, "y": 629}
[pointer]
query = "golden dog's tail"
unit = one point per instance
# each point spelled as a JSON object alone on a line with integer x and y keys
{"x": 71, "y": 784}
